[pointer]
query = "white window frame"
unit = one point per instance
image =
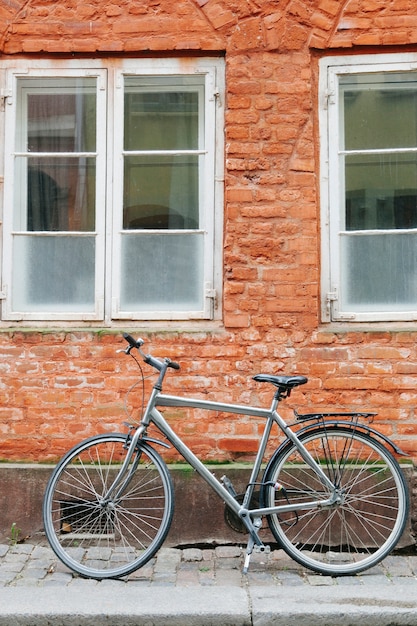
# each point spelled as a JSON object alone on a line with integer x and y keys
{"x": 110, "y": 76}
{"x": 332, "y": 179}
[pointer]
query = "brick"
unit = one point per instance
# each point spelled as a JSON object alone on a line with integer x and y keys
{"x": 368, "y": 39}
{"x": 236, "y": 320}
{"x": 218, "y": 16}
{"x": 59, "y": 386}
{"x": 238, "y": 445}
{"x": 383, "y": 352}
{"x": 239, "y": 194}
{"x": 331, "y": 7}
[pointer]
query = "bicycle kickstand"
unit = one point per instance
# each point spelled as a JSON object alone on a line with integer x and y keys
{"x": 254, "y": 543}
{"x": 249, "y": 550}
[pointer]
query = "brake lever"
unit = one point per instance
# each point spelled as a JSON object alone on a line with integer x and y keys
{"x": 124, "y": 350}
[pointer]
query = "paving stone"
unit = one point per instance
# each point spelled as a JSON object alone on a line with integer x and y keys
{"x": 34, "y": 573}
{"x": 261, "y": 578}
{"x": 320, "y": 581}
{"x": 412, "y": 561}
{"x": 206, "y": 575}
{"x": 163, "y": 578}
{"x": 397, "y": 567}
{"x": 223, "y": 552}
{"x": 13, "y": 566}
{"x": 57, "y": 578}
{"x": 291, "y": 578}
{"x": 348, "y": 580}
{"x": 376, "y": 580}
{"x": 167, "y": 559}
{"x": 15, "y": 558}
{"x": 187, "y": 578}
{"x": 6, "y": 576}
{"x": 143, "y": 573}
{"x": 21, "y": 548}
{"x": 192, "y": 554}
{"x": 229, "y": 564}
{"x": 41, "y": 552}
{"x": 208, "y": 555}
{"x": 228, "y": 578}
{"x": 25, "y": 582}
{"x": 3, "y": 549}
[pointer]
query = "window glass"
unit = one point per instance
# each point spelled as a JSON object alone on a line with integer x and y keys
{"x": 380, "y": 139}
{"x": 62, "y": 120}
{"x": 162, "y": 272}
{"x": 161, "y": 192}
{"x": 381, "y": 191}
{"x": 55, "y": 192}
{"x": 53, "y": 273}
{"x": 372, "y": 191}
{"x": 379, "y": 110}
{"x": 160, "y": 120}
{"x": 379, "y": 272}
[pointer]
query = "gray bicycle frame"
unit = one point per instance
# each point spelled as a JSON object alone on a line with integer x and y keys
{"x": 152, "y": 415}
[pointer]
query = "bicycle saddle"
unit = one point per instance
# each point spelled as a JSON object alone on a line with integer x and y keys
{"x": 281, "y": 381}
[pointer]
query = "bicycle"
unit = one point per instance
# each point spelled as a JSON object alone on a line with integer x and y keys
{"x": 333, "y": 493}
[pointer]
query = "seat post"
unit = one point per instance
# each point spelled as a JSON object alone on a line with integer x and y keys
{"x": 276, "y": 400}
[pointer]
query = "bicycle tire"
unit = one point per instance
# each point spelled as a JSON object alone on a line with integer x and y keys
{"x": 107, "y": 540}
{"x": 350, "y": 537}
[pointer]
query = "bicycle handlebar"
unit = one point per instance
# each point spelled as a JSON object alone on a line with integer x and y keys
{"x": 149, "y": 359}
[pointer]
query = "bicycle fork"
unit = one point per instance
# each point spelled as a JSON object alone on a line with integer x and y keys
{"x": 124, "y": 476}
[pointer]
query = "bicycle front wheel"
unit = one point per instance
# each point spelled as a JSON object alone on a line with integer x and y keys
{"x": 99, "y": 537}
{"x": 366, "y": 523}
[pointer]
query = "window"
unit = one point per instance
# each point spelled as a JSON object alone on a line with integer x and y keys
{"x": 369, "y": 189}
{"x": 112, "y": 190}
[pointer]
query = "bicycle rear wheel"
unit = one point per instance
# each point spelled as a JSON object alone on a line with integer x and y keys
{"x": 100, "y": 539}
{"x": 355, "y": 534}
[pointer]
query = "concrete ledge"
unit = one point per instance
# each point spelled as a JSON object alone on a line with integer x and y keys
{"x": 198, "y": 516}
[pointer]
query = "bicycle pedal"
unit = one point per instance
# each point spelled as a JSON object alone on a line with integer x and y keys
{"x": 262, "y": 549}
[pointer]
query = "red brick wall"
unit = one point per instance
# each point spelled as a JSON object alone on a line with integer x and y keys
{"x": 60, "y": 386}
{"x": 57, "y": 388}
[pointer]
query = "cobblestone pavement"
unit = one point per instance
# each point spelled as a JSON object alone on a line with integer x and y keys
{"x": 34, "y": 564}
{"x": 203, "y": 587}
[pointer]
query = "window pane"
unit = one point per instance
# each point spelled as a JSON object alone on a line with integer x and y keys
{"x": 55, "y": 193}
{"x": 162, "y": 272}
{"x": 380, "y": 111}
{"x": 160, "y": 120}
{"x": 161, "y": 192}
{"x": 59, "y": 115}
{"x": 59, "y": 193}
{"x": 379, "y": 272}
{"x": 381, "y": 191}
{"x": 54, "y": 274}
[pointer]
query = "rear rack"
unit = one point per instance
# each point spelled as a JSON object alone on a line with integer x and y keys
{"x": 327, "y": 419}
{"x": 323, "y": 416}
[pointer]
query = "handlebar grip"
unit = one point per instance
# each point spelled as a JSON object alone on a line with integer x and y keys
{"x": 174, "y": 365}
{"x": 132, "y": 342}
